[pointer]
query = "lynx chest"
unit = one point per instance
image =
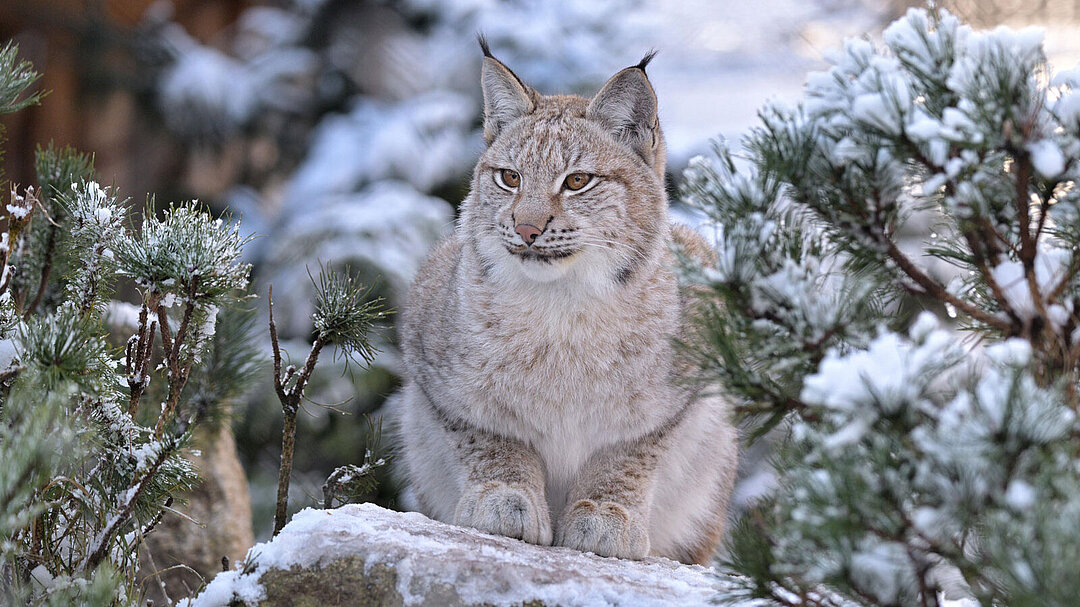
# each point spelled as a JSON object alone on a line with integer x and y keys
{"x": 564, "y": 377}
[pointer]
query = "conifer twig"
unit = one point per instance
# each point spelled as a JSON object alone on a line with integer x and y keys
{"x": 1028, "y": 248}
{"x": 17, "y": 221}
{"x": 290, "y": 405}
{"x": 141, "y": 348}
{"x": 100, "y": 545}
{"x": 179, "y": 370}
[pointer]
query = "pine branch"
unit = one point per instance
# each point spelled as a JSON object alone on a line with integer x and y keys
{"x": 99, "y": 547}
{"x": 984, "y": 270}
{"x": 15, "y": 78}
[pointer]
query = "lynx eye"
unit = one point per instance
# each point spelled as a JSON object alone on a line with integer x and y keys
{"x": 508, "y": 178}
{"x": 576, "y": 181}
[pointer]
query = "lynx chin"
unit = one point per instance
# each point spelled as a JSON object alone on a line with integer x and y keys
{"x": 544, "y": 397}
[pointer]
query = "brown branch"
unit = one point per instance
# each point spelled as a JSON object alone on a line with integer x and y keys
{"x": 279, "y": 387}
{"x": 142, "y": 349}
{"x": 1028, "y": 248}
{"x": 290, "y": 405}
{"x": 932, "y": 288}
{"x": 288, "y": 444}
{"x": 179, "y": 369}
{"x": 166, "y": 333}
{"x": 988, "y": 276}
{"x": 1059, "y": 289}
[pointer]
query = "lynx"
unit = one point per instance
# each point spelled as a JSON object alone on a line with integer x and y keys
{"x": 545, "y": 397}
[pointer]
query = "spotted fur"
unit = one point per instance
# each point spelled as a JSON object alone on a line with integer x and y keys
{"x": 544, "y": 396}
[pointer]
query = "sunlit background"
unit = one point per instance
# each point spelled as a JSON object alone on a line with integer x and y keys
{"x": 343, "y": 131}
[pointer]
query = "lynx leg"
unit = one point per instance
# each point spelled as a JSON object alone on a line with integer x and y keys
{"x": 504, "y": 491}
{"x": 607, "y": 510}
{"x": 463, "y": 475}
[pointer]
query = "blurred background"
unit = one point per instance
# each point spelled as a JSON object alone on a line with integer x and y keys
{"x": 342, "y": 132}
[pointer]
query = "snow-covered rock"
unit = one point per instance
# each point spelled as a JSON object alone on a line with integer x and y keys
{"x": 366, "y": 555}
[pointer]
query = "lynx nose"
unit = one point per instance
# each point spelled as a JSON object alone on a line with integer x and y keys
{"x": 527, "y": 232}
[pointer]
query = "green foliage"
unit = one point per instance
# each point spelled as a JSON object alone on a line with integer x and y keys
{"x": 37, "y": 280}
{"x": 94, "y": 220}
{"x": 57, "y": 169}
{"x": 187, "y": 253}
{"x": 230, "y": 367}
{"x": 15, "y": 78}
{"x": 346, "y": 312}
{"x": 64, "y": 348}
{"x": 910, "y": 461}
{"x": 82, "y": 480}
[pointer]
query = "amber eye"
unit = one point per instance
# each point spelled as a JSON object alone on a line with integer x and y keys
{"x": 510, "y": 178}
{"x": 576, "y": 181}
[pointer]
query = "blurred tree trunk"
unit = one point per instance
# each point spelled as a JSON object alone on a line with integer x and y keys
{"x": 85, "y": 51}
{"x": 222, "y": 508}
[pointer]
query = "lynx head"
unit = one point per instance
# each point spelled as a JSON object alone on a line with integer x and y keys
{"x": 568, "y": 188}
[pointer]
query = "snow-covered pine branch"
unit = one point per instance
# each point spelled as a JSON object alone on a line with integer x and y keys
{"x": 912, "y": 463}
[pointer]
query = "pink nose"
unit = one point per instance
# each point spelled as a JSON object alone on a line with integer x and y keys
{"x": 527, "y": 232}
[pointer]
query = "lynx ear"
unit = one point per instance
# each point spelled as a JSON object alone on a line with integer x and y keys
{"x": 626, "y": 106}
{"x": 506, "y": 98}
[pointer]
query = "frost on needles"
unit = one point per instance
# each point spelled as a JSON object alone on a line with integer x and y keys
{"x": 927, "y": 179}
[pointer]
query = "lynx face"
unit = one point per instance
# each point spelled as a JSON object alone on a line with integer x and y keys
{"x": 568, "y": 187}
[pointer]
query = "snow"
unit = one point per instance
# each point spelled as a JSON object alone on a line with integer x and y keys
{"x": 18, "y": 211}
{"x": 1019, "y": 495}
{"x": 1047, "y": 158}
{"x": 881, "y": 569}
{"x": 1051, "y": 265}
{"x": 481, "y": 568}
{"x": 122, "y": 315}
{"x": 887, "y": 373}
{"x": 424, "y": 141}
{"x": 384, "y": 228}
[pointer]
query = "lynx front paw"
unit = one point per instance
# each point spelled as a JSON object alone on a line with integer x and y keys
{"x": 503, "y": 509}
{"x": 604, "y": 528}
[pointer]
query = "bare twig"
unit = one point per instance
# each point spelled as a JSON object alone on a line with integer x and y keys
{"x": 17, "y": 223}
{"x": 290, "y": 404}
{"x": 141, "y": 348}
{"x": 278, "y": 386}
{"x": 179, "y": 368}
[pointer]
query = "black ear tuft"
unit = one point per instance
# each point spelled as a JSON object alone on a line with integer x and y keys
{"x": 484, "y": 44}
{"x": 646, "y": 59}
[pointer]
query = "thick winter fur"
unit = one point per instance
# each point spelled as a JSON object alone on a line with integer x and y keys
{"x": 544, "y": 396}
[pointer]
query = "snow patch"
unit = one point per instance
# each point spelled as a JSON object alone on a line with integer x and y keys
{"x": 481, "y": 568}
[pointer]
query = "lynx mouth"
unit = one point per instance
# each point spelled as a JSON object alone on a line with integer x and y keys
{"x": 541, "y": 255}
